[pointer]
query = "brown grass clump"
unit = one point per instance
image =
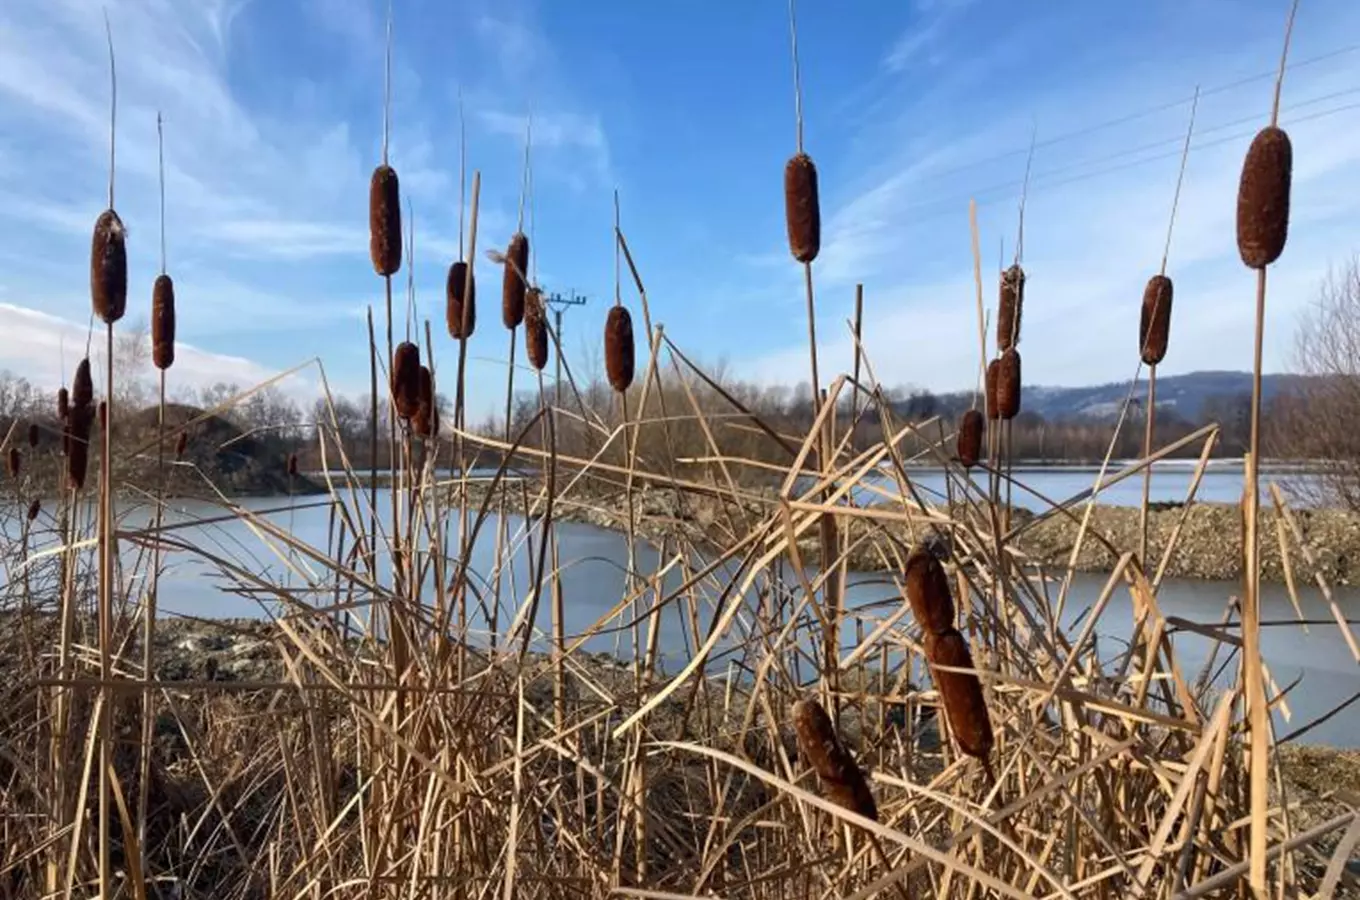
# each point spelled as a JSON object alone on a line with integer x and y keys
{"x": 384, "y": 221}
{"x": 841, "y": 779}
{"x": 181, "y": 444}
{"x": 34, "y": 508}
{"x": 1009, "y": 309}
{"x": 163, "y": 322}
{"x": 406, "y": 379}
{"x": 33, "y": 434}
{"x": 63, "y": 403}
{"x": 536, "y": 329}
{"x": 460, "y": 312}
{"x": 1263, "y": 198}
{"x": 928, "y": 592}
{"x": 618, "y": 348}
{"x": 970, "y": 438}
{"x": 1008, "y": 384}
{"x": 1154, "y": 326}
{"x": 960, "y": 693}
{"x": 426, "y": 421}
{"x": 82, "y": 386}
{"x": 108, "y": 267}
{"x": 14, "y": 463}
{"x": 989, "y": 389}
{"x": 802, "y": 210}
{"x": 512, "y": 286}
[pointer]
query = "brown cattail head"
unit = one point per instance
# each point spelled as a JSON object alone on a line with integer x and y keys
{"x": 14, "y": 462}
{"x": 163, "y": 322}
{"x": 535, "y": 329}
{"x": 426, "y": 421}
{"x": 989, "y": 390}
{"x": 960, "y": 692}
{"x": 842, "y": 781}
{"x": 82, "y": 386}
{"x": 108, "y": 267}
{"x": 618, "y": 348}
{"x": 406, "y": 379}
{"x": 1154, "y": 326}
{"x": 802, "y": 211}
{"x": 384, "y": 221}
{"x": 1008, "y": 384}
{"x": 33, "y": 434}
{"x": 181, "y": 444}
{"x": 970, "y": 437}
{"x": 928, "y": 591}
{"x": 460, "y": 311}
{"x": 292, "y": 465}
{"x": 34, "y": 508}
{"x": 1011, "y": 305}
{"x": 78, "y": 445}
{"x": 512, "y": 287}
{"x": 1263, "y": 198}
{"x": 63, "y": 403}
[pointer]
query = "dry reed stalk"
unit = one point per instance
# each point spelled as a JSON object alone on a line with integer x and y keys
{"x": 928, "y": 592}
{"x": 108, "y": 267}
{"x": 841, "y": 779}
{"x": 971, "y": 427}
{"x": 1154, "y": 325}
{"x": 990, "y": 390}
{"x": 14, "y": 462}
{"x": 1263, "y": 198}
{"x": 426, "y": 422}
{"x": 163, "y": 322}
{"x": 1010, "y": 307}
{"x": 513, "y": 280}
{"x": 460, "y": 308}
{"x": 384, "y": 221}
{"x": 802, "y": 210}
{"x": 34, "y": 508}
{"x": 406, "y": 380}
{"x": 960, "y": 692}
{"x": 618, "y": 348}
{"x": 536, "y": 329}
{"x": 1008, "y": 384}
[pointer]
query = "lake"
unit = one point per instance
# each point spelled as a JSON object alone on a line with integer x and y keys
{"x": 594, "y": 573}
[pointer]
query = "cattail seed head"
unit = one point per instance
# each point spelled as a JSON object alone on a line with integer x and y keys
{"x": 970, "y": 438}
{"x": 841, "y": 779}
{"x": 292, "y": 465}
{"x": 535, "y": 329}
{"x": 989, "y": 390}
{"x": 63, "y": 403}
{"x": 512, "y": 287}
{"x": 1154, "y": 325}
{"x": 384, "y": 221}
{"x": 1011, "y": 305}
{"x": 426, "y": 421}
{"x": 1008, "y": 384}
{"x": 802, "y": 210}
{"x": 78, "y": 445}
{"x": 460, "y": 311}
{"x": 181, "y": 444}
{"x": 34, "y": 508}
{"x": 82, "y": 386}
{"x": 14, "y": 462}
{"x": 406, "y": 379}
{"x": 928, "y": 592}
{"x": 33, "y": 434}
{"x": 108, "y": 267}
{"x": 618, "y": 348}
{"x": 163, "y": 322}
{"x": 960, "y": 693}
{"x": 1263, "y": 198}
{"x": 103, "y": 415}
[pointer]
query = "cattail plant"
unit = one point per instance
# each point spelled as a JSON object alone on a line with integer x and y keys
{"x": 461, "y": 302}
{"x": 181, "y": 444}
{"x": 63, "y": 403}
{"x": 406, "y": 379}
{"x": 841, "y": 779}
{"x": 618, "y": 348}
{"x": 802, "y": 210}
{"x": 82, "y": 386}
{"x": 426, "y": 421}
{"x": 33, "y": 434}
{"x": 163, "y": 322}
{"x": 1154, "y": 324}
{"x": 928, "y": 591}
{"x": 1263, "y": 198}
{"x": 14, "y": 462}
{"x": 513, "y": 286}
{"x": 1008, "y": 384}
{"x": 34, "y": 508}
{"x": 78, "y": 445}
{"x": 103, "y": 415}
{"x": 384, "y": 221}
{"x": 960, "y": 692}
{"x": 108, "y": 267}
{"x": 970, "y": 438}
{"x": 1011, "y": 305}
{"x": 536, "y": 329}
{"x": 990, "y": 389}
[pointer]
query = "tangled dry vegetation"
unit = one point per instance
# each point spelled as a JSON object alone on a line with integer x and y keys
{"x": 406, "y": 726}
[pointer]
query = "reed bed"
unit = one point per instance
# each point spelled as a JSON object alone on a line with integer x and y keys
{"x": 407, "y": 717}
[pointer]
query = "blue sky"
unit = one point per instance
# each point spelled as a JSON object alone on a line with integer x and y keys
{"x": 273, "y": 123}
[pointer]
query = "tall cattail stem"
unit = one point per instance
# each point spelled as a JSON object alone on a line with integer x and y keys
{"x": 1149, "y": 425}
